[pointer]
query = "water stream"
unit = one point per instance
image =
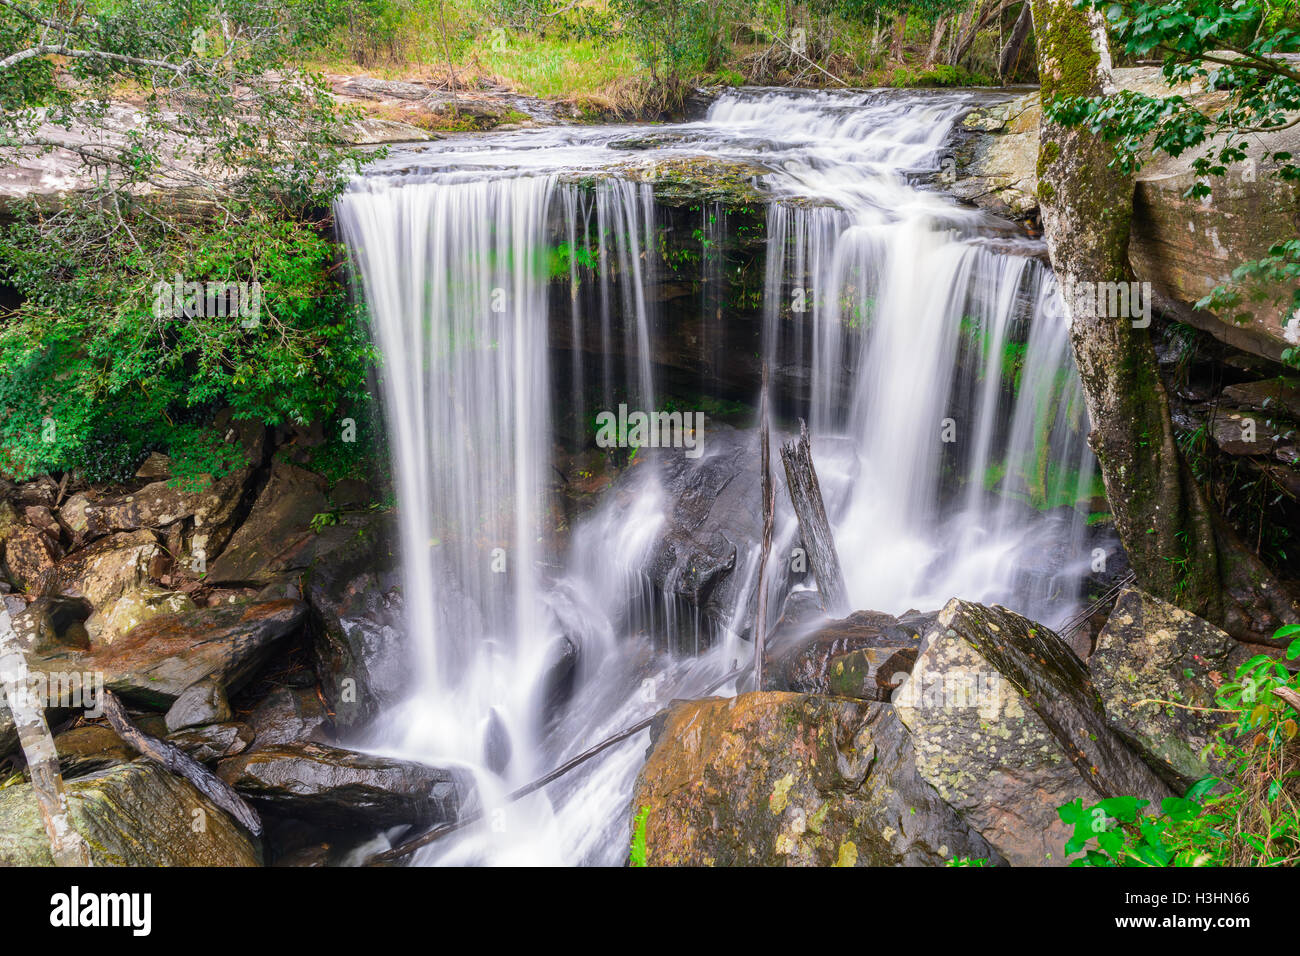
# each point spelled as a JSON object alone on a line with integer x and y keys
{"x": 911, "y": 318}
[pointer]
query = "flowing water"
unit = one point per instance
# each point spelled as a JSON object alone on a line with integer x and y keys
{"x": 946, "y": 421}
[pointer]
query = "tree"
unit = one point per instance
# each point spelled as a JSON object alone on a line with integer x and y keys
{"x": 1179, "y": 548}
{"x": 225, "y": 164}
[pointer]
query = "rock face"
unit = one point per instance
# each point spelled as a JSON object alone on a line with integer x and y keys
{"x": 357, "y": 619}
{"x": 702, "y": 557}
{"x": 1151, "y": 650}
{"x": 162, "y": 657}
{"x": 711, "y": 513}
{"x": 1008, "y": 727}
{"x": 790, "y": 779}
{"x": 276, "y": 529}
{"x": 135, "y": 814}
{"x": 342, "y": 788}
{"x": 859, "y": 656}
{"x": 1003, "y": 168}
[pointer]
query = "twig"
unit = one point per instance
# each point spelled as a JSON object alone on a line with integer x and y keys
{"x": 1174, "y": 703}
{"x": 1288, "y": 695}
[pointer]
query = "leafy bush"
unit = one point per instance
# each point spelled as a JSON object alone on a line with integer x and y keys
{"x": 95, "y": 376}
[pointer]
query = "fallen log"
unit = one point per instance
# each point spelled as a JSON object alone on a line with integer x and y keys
{"x": 806, "y": 494}
{"x": 178, "y": 762}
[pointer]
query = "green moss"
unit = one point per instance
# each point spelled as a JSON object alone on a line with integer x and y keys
{"x": 1068, "y": 62}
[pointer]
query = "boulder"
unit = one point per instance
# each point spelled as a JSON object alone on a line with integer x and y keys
{"x": 41, "y": 518}
{"x": 1273, "y": 395}
{"x": 1150, "y": 651}
{"x": 161, "y": 658}
{"x": 203, "y": 702}
{"x": 107, "y": 569}
{"x": 290, "y": 715}
{"x": 343, "y": 788}
{"x": 777, "y": 779}
{"x": 1008, "y": 727}
{"x": 275, "y": 531}
{"x": 28, "y": 555}
{"x": 134, "y": 814}
{"x": 213, "y": 742}
{"x": 90, "y": 748}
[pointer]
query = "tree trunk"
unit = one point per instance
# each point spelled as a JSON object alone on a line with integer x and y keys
{"x": 936, "y": 41}
{"x": 900, "y": 34}
{"x": 1010, "y": 58}
{"x": 1178, "y": 547}
{"x": 960, "y": 41}
{"x": 177, "y": 761}
{"x": 67, "y": 848}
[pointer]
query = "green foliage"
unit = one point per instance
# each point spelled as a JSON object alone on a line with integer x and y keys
{"x": 322, "y": 520}
{"x": 1236, "y": 50}
{"x": 1249, "y": 818}
{"x": 638, "y": 851}
{"x": 941, "y": 75}
{"x": 95, "y": 376}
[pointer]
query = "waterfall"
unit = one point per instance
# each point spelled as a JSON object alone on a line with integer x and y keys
{"x": 888, "y": 307}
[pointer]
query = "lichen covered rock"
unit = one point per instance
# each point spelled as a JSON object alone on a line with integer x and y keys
{"x": 780, "y": 779}
{"x": 1152, "y": 651}
{"x": 1008, "y": 727}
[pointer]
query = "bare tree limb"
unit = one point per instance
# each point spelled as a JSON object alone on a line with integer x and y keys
{"x": 768, "y": 491}
{"x": 58, "y": 49}
{"x": 806, "y": 494}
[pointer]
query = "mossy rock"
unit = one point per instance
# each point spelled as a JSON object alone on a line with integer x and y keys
{"x": 135, "y": 814}
{"x": 777, "y": 779}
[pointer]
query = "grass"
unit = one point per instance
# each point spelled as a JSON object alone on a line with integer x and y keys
{"x": 565, "y": 69}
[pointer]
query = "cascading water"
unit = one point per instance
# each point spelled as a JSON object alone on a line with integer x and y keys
{"x": 907, "y": 326}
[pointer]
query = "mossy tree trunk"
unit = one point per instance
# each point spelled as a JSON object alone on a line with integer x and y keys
{"x": 1178, "y": 547}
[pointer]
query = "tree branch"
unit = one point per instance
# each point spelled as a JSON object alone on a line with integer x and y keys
{"x": 59, "y": 49}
